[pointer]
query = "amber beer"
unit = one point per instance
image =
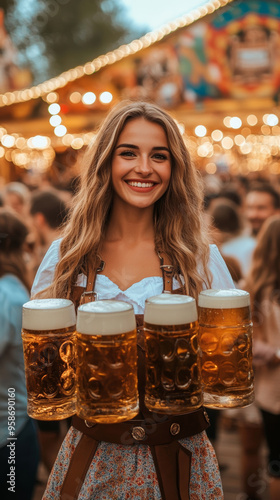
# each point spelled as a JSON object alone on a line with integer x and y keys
{"x": 173, "y": 381}
{"x": 48, "y": 335}
{"x": 106, "y": 362}
{"x": 226, "y": 344}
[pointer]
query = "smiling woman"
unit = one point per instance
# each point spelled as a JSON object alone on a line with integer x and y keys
{"x": 138, "y": 208}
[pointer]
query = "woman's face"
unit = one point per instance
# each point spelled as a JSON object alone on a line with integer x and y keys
{"x": 141, "y": 165}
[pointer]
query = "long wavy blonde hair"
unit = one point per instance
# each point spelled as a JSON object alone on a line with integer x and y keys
{"x": 177, "y": 214}
{"x": 264, "y": 275}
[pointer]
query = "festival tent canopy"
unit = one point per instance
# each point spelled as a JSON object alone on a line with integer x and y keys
{"x": 216, "y": 70}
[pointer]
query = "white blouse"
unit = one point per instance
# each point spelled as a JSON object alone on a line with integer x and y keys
{"x": 137, "y": 293}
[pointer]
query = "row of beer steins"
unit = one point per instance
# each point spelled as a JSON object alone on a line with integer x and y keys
{"x": 86, "y": 363}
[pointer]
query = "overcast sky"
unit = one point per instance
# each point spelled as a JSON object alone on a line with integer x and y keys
{"x": 154, "y": 13}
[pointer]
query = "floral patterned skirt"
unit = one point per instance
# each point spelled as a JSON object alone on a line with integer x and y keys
{"x": 120, "y": 472}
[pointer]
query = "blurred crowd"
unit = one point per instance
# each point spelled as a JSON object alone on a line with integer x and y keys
{"x": 243, "y": 218}
{"x": 244, "y": 222}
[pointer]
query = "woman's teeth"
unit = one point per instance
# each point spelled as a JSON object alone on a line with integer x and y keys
{"x": 141, "y": 184}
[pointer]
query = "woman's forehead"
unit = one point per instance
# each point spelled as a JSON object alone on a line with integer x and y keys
{"x": 143, "y": 129}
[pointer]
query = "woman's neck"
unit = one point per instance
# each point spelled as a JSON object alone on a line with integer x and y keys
{"x": 130, "y": 225}
{"x": 128, "y": 248}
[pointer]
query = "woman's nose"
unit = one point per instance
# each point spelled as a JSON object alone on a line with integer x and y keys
{"x": 144, "y": 166}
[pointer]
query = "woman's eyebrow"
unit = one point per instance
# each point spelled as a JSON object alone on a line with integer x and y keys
{"x": 160, "y": 148}
{"x": 132, "y": 146}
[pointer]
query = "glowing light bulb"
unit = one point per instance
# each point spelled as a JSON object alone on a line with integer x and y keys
{"x": 89, "y": 98}
{"x": 105, "y": 97}
{"x": 200, "y": 131}
{"x": 54, "y": 108}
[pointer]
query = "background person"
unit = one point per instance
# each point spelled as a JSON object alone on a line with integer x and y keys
{"x": 48, "y": 211}
{"x": 228, "y": 233}
{"x": 16, "y": 196}
{"x": 14, "y": 292}
{"x": 263, "y": 283}
{"x": 262, "y": 201}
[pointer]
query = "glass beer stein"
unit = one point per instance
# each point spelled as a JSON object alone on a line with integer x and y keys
{"x": 107, "y": 390}
{"x": 226, "y": 345}
{"x": 48, "y": 336}
{"x": 173, "y": 381}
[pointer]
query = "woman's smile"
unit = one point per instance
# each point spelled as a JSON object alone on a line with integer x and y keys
{"x": 140, "y": 186}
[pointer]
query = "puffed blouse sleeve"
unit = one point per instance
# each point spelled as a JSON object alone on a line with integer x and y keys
{"x": 220, "y": 273}
{"x": 45, "y": 272}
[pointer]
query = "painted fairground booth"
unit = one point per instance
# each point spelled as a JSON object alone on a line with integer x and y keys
{"x": 216, "y": 70}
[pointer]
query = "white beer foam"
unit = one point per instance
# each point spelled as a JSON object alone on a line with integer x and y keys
{"x": 170, "y": 309}
{"x": 48, "y": 314}
{"x": 105, "y": 317}
{"x": 224, "y": 299}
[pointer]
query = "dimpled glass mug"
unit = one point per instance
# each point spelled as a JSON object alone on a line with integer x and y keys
{"x": 107, "y": 390}
{"x": 48, "y": 336}
{"x": 173, "y": 381}
{"x": 226, "y": 345}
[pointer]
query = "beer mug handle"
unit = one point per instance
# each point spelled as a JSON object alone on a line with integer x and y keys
{"x": 87, "y": 297}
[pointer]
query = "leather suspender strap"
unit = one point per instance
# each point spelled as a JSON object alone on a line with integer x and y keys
{"x": 78, "y": 467}
{"x": 167, "y": 273}
{"x": 87, "y": 294}
{"x": 173, "y": 467}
